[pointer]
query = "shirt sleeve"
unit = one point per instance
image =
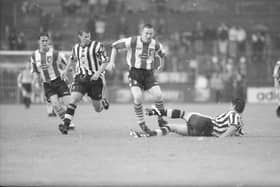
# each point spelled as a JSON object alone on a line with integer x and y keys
{"x": 122, "y": 44}
{"x": 101, "y": 52}
{"x": 61, "y": 59}
{"x": 276, "y": 71}
{"x": 158, "y": 49}
{"x": 73, "y": 55}
{"x": 34, "y": 68}
{"x": 234, "y": 120}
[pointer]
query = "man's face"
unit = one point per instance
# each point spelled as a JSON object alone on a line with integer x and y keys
{"x": 147, "y": 34}
{"x": 84, "y": 38}
{"x": 44, "y": 42}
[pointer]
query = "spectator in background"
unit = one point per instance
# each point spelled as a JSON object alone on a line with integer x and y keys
{"x": 216, "y": 86}
{"x": 100, "y": 28}
{"x": 198, "y": 38}
{"x": 21, "y": 43}
{"x": 222, "y": 35}
{"x": 241, "y": 40}
{"x": 91, "y": 24}
{"x": 239, "y": 85}
{"x": 232, "y": 44}
{"x": 258, "y": 44}
{"x": 12, "y": 38}
{"x": 122, "y": 28}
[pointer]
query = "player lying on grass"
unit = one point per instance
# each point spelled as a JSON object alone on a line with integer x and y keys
{"x": 224, "y": 125}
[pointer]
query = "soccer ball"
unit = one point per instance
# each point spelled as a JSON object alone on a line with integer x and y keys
{"x": 278, "y": 111}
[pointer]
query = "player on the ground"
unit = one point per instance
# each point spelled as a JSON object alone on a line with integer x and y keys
{"x": 143, "y": 54}
{"x": 224, "y": 125}
{"x": 276, "y": 76}
{"x": 24, "y": 81}
{"x": 44, "y": 64}
{"x": 90, "y": 59}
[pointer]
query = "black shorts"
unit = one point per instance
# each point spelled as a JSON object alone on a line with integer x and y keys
{"x": 56, "y": 87}
{"x": 27, "y": 87}
{"x": 142, "y": 78}
{"x": 93, "y": 88}
{"x": 199, "y": 125}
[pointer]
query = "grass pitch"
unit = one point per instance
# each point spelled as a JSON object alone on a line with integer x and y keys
{"x": 100, "y": 151}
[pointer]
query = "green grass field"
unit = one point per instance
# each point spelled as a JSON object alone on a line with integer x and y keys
{"x": 101, "y": 152}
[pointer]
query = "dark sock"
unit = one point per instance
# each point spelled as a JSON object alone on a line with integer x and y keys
{"x": 69, "y": 114}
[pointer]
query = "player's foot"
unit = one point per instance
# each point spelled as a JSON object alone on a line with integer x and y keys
{"x": 53, "y": 114}
{"x": 144, "y": 127}
{"x": 105, "y": 104}
{"x": 137, "y": 134}
{"x": 154, "y": 111}
{"x": 278, "y": 111}
{"x": 63, "y": 128}
{"x": 71, "y": 126}
{"x": 162, "y": 122}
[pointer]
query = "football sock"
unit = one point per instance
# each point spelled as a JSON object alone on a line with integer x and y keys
{"x": 60, "y": 111}
{"x": 49, "y": 108}
{"x": 162, "y": 131}
{"x": 159, "y": 105}
{"x": 138, "y": 108}
{"x": 69, "y": 114}
{"x": 175, "y": 113}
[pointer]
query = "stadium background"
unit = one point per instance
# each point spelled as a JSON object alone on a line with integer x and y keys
{"x": 228, "y": 45}
{"x": 100, "y": 151}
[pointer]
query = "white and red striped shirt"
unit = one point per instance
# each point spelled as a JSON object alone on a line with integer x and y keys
{"x": 140, "y": 55}
{"x": 47, "y": 64}
{"x": 226, "y": 120}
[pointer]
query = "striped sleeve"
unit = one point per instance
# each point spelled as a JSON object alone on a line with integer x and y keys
{"x": 158, "y": 49}
{"x": 101, "y": 52}
{"x": 61, "y": 59}
{"x": 122, "y": 43}
{"x": 234, "y": 120}
{"x": 34, "y": 68}
{"x": 73, "y": 55}
{"x": 276, "y": 71}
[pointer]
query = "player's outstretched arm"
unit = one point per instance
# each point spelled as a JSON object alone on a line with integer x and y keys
{"x": 229, "y": 132}
{"x": 111, "y": 64}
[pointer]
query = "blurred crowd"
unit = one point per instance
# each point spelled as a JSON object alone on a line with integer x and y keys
{"x": 219, "y": 53}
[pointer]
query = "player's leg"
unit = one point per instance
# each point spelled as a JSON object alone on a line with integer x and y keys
{"x": 78, "y": 90}
{"x": 95, "y": 92}
{"x": 277, "y": 92}
{"x": 76, "y": 97}
{"x": 137, "y": 96}
{"x": 180, "y": 129}
{"x": 57, "y": 107}
{"x": 156, "y": 92}
{"x": 50, "y": 109}
{"x": 170, "y": 113}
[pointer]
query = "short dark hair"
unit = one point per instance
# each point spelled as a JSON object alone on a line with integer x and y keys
{"x": 43, "y": 34}
{"x": 149, "y": 26}
{"x": 85, "y": 30}
{"x": 239, "y": 104}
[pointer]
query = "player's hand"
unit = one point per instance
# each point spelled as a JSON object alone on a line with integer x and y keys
{"x": 110, "y": 66}
{"x": 64, "y": 75}
{"x": 95, "y": 76}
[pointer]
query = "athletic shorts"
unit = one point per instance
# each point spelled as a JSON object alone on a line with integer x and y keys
{"x": 27, "y": 87}
{"x": 199, "y": 125}
{"x": 93, "y": 88}
{"x": 56, "y": 87}
{"x": 142, "y": 78}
